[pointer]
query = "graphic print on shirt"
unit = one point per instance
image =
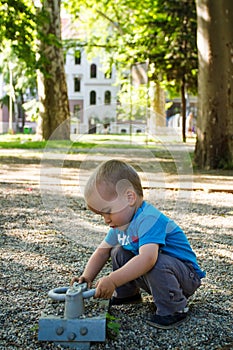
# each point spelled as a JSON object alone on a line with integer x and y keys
{"x": 123, "y": 239}
{"x": 128, "y": 241}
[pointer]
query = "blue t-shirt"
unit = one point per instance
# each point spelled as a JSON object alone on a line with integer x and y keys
{"x": 149, "y": 225}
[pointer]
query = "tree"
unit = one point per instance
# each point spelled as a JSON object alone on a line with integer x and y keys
{"x": 214, "y": 147}
{"x": 162, "y": 32}
{"x": 17, "y": 33}
{"x": 52, "y": 80}
{"x": 17, "y": 26}
{"x": 32, "y": 31}
{"x": 19, "y": 79}
{"x": 175, "y": 50}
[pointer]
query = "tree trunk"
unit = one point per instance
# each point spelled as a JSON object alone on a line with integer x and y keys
{"x": 183, "y": 105}
{"x": 214, "y": 147}
{"x": 157, "y": 118}
{"x": 22, "y": 112}
{"x": 52, "y": 85}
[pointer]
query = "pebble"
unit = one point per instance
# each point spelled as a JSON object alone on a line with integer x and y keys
{"x": 37, "y": 256}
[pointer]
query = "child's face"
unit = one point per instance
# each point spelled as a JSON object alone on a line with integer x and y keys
{"x": 117, "y": 209}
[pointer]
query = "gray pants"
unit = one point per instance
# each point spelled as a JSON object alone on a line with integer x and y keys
{"x": 171, "y": 282}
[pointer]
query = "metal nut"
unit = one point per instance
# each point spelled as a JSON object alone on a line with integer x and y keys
{"x": 60, "y": 330}
{"x": 83, "y": 330}
{"x": 71, "y": 336}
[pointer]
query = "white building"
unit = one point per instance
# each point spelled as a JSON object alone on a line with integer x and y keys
{"x": 92, "y": 94}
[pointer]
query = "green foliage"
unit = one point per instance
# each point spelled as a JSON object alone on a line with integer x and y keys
{"x": 18, "y": 25}
{"x": 34, "y": 328}
{"x": 162, "y": 32}
{"x": 24, "y": 76}
{"x": 113, "y": 326}
{"x": 18, "y": 47}
{"x": 66, "y": 146}
{"x": 84, "y": 142}
{"x": 176, "y": 52}
{"x": 134, "y": 102}
{"x": 23, "y": 143}
{"x": 21, "y": 29}
{"x": 32, "y": 108}
{"x": 21, "y": 25}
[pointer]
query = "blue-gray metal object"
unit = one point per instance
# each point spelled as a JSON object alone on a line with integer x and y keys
{"x": 59, "y": 293}
{"x": 71, "y": 330}
{"x": 76, "y": 333}
{"x": 74, "y": 298}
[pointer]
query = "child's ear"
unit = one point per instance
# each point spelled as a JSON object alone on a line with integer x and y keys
{"x": 131, "y": 196}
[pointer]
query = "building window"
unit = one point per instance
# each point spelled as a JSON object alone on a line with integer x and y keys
{"x": 93, "y": 71}
{"x": 92, "y": 98}
{"x": 77, "y": 84}
{"x": 107, "y": 97}
{"x": 77, "y": 57}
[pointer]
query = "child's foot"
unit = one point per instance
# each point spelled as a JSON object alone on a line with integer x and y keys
{"x": 135, "y": 299}
{"x": 168, "y": 322}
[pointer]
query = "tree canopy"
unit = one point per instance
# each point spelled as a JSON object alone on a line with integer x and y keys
{"x": 32, "y": 29}
{"x": 160, "y": 32}
{"x": 163, "y": 32}
{"x": 18, "y": 25}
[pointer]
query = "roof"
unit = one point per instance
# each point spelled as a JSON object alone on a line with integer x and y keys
{"x": 70, "y": 29}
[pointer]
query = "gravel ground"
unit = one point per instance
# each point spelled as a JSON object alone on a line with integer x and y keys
{"x": 42, "y": 249}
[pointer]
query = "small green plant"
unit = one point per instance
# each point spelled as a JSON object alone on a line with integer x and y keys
{"x": 113, "y": 326}
{"x": 34, "y": 328}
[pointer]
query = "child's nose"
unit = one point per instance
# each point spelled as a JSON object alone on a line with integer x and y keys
{"x": 107, "y": 218}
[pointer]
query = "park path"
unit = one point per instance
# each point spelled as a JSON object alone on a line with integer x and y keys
{"x": 47, "y": 236}
{"x": 27, "y": 166}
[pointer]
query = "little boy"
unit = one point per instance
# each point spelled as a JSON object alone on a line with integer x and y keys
{"x": 148, "y": 250}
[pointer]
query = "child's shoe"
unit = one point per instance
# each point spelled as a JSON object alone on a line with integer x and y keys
{"x": 169, "y": 321}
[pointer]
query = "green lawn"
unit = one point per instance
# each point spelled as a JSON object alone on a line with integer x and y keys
{"x": 80, "y": 141}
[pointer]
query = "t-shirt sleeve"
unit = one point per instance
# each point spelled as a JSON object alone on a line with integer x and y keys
{"x": 111, "y": 237}
{"x": 153, "y": 230}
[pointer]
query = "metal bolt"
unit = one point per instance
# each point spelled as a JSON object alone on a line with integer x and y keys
{"x": 60, "y": 330}
{"x": 83, "y": 330}
{"x": 71, "y": 336}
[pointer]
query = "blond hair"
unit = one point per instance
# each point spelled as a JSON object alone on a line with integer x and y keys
{"x": 113, "y": 172}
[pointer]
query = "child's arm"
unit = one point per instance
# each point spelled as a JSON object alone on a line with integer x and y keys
{"x": 134, "y": 268}
{"x": 137, "y": 266}
{"x": 94, "y": 264}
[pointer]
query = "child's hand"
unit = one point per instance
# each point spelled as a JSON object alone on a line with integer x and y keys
{"x": 104, "y": 288}
{"x": 81, "y": 279}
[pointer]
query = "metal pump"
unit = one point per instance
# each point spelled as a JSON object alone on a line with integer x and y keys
{"x": 71, "y": 330}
